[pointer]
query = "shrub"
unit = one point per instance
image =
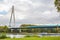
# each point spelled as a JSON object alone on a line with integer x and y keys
{"x": 3, "y": 35}
{"x": 35, "y": 36}
{"x": 32, "y": 36}
{"x": 27, "y": 36}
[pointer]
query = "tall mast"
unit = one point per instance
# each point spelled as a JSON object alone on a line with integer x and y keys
{"x": 12, "y": 17}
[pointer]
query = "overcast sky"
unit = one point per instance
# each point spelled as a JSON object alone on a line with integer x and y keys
{"x": 29, "y": 11}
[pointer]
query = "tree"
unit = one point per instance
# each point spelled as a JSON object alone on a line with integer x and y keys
{"x": 3, "y": 28}
{"x": 6, "y": 28}
{"x": 25, "y": 26}
{"x": 57, "y": 4}
{"x": 29, "y": 30}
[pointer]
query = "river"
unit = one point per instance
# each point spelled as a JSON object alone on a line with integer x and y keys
{"x": 39, "y": 34}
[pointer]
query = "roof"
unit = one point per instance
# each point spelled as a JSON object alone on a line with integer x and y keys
{"x": 44, "y": 26}
{"x": 39, "y": 26}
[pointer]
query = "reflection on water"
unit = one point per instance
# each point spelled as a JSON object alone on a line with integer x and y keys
{"x": 39, "y": 34}
{"x": 15, "y": 35}
{"x": 50, "y": 34}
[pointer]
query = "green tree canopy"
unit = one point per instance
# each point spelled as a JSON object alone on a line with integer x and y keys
{"x": 57, "y": 4}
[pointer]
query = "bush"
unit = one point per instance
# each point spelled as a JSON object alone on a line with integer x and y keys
{"x": 32, "y": 36}
{"x": 27, "y": 36}
{"x": 3, "y": 35}
{"x": 35, "y": 36}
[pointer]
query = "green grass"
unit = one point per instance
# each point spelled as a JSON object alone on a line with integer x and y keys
{"x": 34, "y": 38}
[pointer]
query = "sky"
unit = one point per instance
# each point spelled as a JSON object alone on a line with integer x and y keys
{"x": 29, "y": 12}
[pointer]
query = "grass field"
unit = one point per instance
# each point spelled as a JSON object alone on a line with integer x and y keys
{"x": 34, "y": 38}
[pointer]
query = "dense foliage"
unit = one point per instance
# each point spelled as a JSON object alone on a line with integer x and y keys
{"x": 3, "y": 29}
{"x": 3, "y": 35}
{"x": 57, "y": 4}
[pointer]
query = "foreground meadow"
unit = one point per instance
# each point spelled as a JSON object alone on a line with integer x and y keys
{"x": 33, "y": 38}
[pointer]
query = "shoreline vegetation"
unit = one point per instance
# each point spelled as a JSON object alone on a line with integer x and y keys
{"x": 30, "y": 37}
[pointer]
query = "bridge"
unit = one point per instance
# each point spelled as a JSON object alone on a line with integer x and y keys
{"x": 29, "y": 27}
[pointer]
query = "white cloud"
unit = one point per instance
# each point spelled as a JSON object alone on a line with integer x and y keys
{"x": 20, "y": 16}
{"x": 30, "y": 11}
{"x": 1, "y": 15}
